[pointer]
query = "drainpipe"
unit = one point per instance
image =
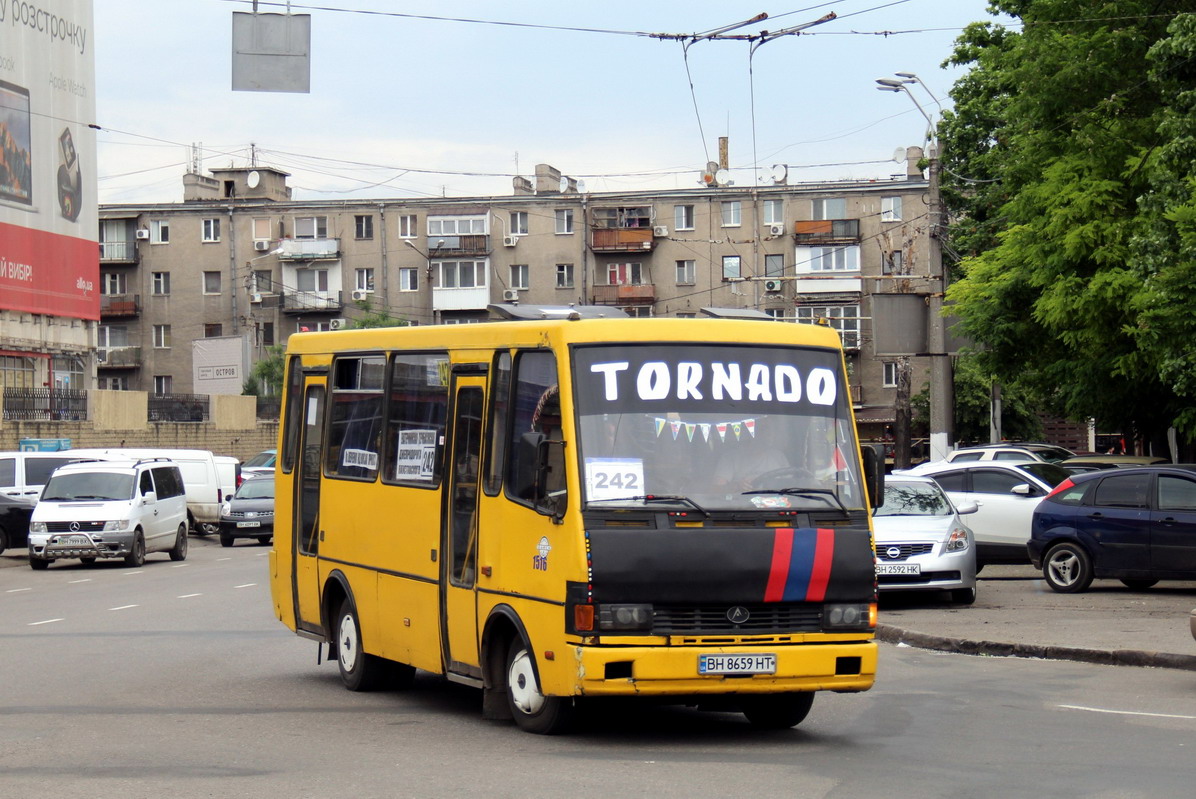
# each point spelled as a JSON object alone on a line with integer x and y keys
{"x": 232, "y": 268}
{"x": 382, "y": 244}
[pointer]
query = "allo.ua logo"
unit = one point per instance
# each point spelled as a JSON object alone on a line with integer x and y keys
{"x": 540, "y": 561}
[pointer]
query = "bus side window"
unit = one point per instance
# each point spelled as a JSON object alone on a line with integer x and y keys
{"x": 500, "y": 407}
{"x": 355, "y": 421}
{"x": 537, "y": 411}
{"x": 415, "y": 424}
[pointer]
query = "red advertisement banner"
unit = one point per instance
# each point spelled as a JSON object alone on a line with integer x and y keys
{"x": 48, "y": 273}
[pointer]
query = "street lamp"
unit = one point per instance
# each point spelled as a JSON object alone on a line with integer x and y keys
{"x": 942, "y": 399}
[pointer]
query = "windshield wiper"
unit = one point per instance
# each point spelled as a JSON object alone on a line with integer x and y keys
{"x": 803, "y": 492}
{"x": 657, "y": 498}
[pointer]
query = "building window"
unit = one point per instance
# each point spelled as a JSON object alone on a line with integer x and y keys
{"x": 774, "y": 266}
{"x": 409, "y": 279}
{"x": 212, "y": 330}
{"x": 163, "y": 384}
{"x": 731, "y": 267}
{"x": 844, "y": 318}
{"x": 564, "y": 276}
{"x": 778, "y": 314}
{"x": 829, "y": 209}
{"x": 113, "y": 283}
{"x": 263, "y": 282}
{"x": 624, "y": 274}
{"x": 211, "y": 230}
{"x": 408, "y": 229}
{"x": 211, "y": 282}
{"x": 519, "y": 223}
{"x": 162, "y": 337}
{"x": 16, "y": 371}
{"x": 686, "y": 273}
{"x": 364, "y": 279}
{"x": 564, "y": 220}
{"x": 311, "y": 227}
{"x": 890, "y": 209}
{"x": 637, "y": 311}
{"x": 457, "y": 226}
{"x": 109, "y": 336}
{"x": 774, "y": 212}
{"x": 461, "y": 274}
{"x": 888, "y": 378}
{"x": 519, "y": 277}
{"x": 623, "y": 217}
{"x": 114, "y": 383}
{"x": 267, "y": 334}
{"x": 828, "y": 259}
{"x": 363, "y": 226}
{"x": 161, "y": 283}
{"x": 261, "y": 228}
{"x": 683, "y": 217}
{"x": 732, "y": 213}
{"x": 312, "y": 280}
{"x": 159, "y": 231}
{"x": 892, "y": 263}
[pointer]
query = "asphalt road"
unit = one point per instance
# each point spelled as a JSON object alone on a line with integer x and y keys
{"x": 175, "y": 680}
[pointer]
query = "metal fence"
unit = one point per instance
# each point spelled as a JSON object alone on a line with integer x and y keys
{"x": 269, "y": 408}
{"x": 45, "y": 405}
{"x": 179, "y": 408}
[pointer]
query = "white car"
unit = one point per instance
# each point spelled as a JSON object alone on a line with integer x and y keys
{"x": 1005, "y": 493}
{"x": 1010, "y": 452}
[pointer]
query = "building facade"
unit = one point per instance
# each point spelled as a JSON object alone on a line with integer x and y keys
{"x": 238, "y": 258}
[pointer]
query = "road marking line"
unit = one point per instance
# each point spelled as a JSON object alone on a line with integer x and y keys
{"x": 180, "y": 565}
{"x": 136, "y": 572}
{"x": 84, "y": 580}
{"x": 188, "y": 596}
{"x": 47, "y": 621}
{"x": 1127, "y": 712}
{"x": 246, "y": 585}
{"x": 17, "y": 590}
{"x": 220, "y": 559}
{"x": 124, "y": 607}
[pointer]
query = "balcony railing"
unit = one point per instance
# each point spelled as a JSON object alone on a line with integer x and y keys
{"x": 635, "y": 294}
{"x": 621, "y": 239}
{"x": 178, "y": 407}
{"x": 120, "y": 305}
{"x": 118, "y": 252}
{"x": 308, "y": 249}
{"x": 827, "y": 231}
{"x": 45, "y": 405}
{"x": 440, "y": 246}
{"x": 119, "y": 358}
{"x": 311, "y": 302}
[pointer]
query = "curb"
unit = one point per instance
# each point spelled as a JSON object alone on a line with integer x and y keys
{"x": 1104, "y": 657}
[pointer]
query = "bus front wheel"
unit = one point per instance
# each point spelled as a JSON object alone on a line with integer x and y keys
{"x": 359, "y": 671}
{"x": 533, "y": 711}
{"x": 777, "y": 711}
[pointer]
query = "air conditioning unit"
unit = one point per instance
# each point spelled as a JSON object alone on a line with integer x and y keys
{"x": 510, "y": 295}
{"x": 261, "y": 246}
{"x": 660, "y": 230}
{"x": 776, "y": 230}
{"x": 142, "y": 235}
{"x": 360, "y": 294}
{"x": 256, "y": 298}
{"x": 510, "y": 241}
{"x": 772, "y": 286}
{"x": 337, "y": 324}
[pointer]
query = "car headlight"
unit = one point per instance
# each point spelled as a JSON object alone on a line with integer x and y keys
{"x": 849, "y": 616}
{"x": 225, "y": 509}
{"x": 957, "y": 540}
{"x": 37, "y": 527}
{"x": 116, "y": 526}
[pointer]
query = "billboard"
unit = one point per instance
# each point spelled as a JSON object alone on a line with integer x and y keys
{"x": 220, "y": 364}
{"x": 49, "y": 258}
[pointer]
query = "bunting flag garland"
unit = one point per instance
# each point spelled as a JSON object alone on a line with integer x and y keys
{"x": 722, "y": 431}
{"x": 675, "y": 426}
{"x": 705, "y": 431}
{"x": 738, "y": 428}
{"x": 689, "y": 430}
{"x": 750, "y": 424}
{"x": 660, "y": 426}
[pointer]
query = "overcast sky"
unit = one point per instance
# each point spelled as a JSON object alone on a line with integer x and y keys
{"x": 401, "y": 106}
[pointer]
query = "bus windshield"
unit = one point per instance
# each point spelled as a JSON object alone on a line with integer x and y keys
{"x": 725, "y": 427}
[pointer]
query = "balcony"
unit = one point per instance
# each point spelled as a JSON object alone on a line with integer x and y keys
{"x": 635, "y": 294}
{"x": 443, "y": 246}
{"x": 828, "y": 231}
{"x": 118, "y": 252}
{"x": 622, "y": 239}
{"x": 120, "y": 305}
{"x": 309, "y": 249}
{"x": 297, "y": 302}
{"x": 119, "y": 358}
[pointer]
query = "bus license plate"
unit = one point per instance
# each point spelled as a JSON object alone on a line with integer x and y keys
{"x": 737, "y": 664}
{"x": 898, "y": 568}
{"x": 249, "y": 524}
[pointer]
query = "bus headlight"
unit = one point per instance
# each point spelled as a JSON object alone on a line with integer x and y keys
{"x": 847, "y": 616}
{"x": 624, "y": 617}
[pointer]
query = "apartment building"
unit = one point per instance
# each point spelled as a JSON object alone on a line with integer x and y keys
{"x": 240, "y": 258}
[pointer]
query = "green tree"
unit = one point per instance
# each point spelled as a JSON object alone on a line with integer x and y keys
{"x": 1065, "y": 215}
{"x": 372, "y": 317}
{"x": 266, "y": 375}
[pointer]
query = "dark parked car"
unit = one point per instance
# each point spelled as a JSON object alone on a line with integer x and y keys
{"x": 14, "y": 522}
{"x": 249, "y": 513}
{"x": 1137, "y": 525}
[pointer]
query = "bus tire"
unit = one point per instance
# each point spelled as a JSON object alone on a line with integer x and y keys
{"x": 777, "y": 711}
{"x": 359, "y": 671}
{"x": 533, "y": 712}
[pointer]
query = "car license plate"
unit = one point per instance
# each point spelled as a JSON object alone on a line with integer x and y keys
{"x": 898, "y": 568}
{"x": 737, "y": 664}
{"x": 249, "y": 524}
{"x": 73, "y": 541}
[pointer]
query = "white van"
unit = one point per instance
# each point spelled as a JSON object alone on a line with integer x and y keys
{"x": 201, "y": 477}
{"x": 107, "y": 509}
{"x": 22, "y": 474}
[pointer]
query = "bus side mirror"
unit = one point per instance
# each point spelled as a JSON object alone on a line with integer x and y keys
{"x": 874, "y": 473}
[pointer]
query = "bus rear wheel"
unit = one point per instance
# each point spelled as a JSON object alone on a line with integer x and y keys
{"x": 777, "y": 711}
{"x": 533, "y": 711}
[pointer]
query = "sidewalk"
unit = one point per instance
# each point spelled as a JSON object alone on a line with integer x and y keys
{"x": 1017, "y": 615}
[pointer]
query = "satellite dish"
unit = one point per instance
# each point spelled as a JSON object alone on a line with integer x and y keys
{"x": 899, "y": 154}
{"x": 581, "y": 187}
{"x": 564, "y": 185}
{"x": 721, "y": 177}
{"x": 253, "y": 179}
{"x": 780, "y": 173}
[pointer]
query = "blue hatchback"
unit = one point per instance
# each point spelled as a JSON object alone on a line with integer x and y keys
{"x": 1137, "y": 525}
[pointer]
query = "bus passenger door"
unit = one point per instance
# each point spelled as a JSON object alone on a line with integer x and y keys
{"x": 460, "y": 527}
{"x": 306, "y": 516}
